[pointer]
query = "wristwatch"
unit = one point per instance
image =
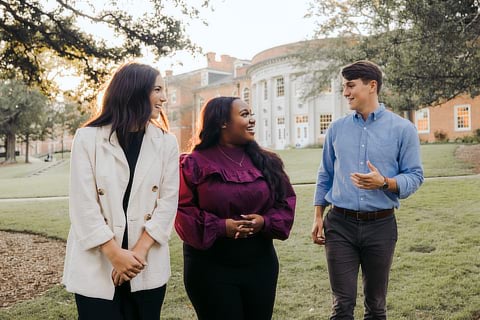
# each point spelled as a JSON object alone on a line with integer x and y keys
{"x": 385, "y": 184}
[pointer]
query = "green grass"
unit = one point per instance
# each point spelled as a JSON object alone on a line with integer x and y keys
{"x": 45, "y": 217}
{"x": 438, "y": 161}
{"x": 16, "y": 183}
{"x": 435, "y": 274}
{"x": 301, "y": 164}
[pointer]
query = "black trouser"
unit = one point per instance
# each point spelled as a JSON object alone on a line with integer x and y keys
{"x": 126, "y": 305}
{"x": 234, "y": 280}
{"x": 349, "y": 244}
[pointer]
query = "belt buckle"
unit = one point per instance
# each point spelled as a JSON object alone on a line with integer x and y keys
{"x": 357, "y": 213}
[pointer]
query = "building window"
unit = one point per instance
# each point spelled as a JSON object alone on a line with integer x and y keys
{"x": 265, "y": 90}
{"x": 299, "y": 131}
{"x": 173, "y": 97}
{"x": 301, "y": 119}
{"x": 280, "y": 87}
{"x": 422, "y": 120}
{"x": 246, "y": 95}
{"x": 265, "y": 123}
{"x": 281, "y": 120}
{"x": 325, "y": 120}
{"x": 305, "y": 132}
{"x": 279, "y": 134}
{"x": 462, "y": 118}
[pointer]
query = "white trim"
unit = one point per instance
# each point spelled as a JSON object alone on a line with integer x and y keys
{"x": 455, "y": 117}
{"x": 428, "y": 120}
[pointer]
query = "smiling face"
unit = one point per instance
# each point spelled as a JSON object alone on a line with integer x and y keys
{"x": 241, "y": 127}
{"x": 157, "y": 97}
{"x": 361, "y": 95}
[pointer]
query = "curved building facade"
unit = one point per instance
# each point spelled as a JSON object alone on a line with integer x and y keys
{"x": 284, "y": 118}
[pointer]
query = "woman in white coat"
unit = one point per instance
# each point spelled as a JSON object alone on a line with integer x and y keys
{"x": 123, "y": 200}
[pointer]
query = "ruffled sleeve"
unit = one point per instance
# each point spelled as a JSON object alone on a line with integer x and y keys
{"x": 196, "y": 227}
{"x": 279, "y": 221}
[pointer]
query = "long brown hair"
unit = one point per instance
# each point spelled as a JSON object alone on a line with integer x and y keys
{"x": 126, "y": 101}
{"x": 217, "y": 112}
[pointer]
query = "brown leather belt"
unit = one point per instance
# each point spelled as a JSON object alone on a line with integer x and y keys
{"x": 364, "y": 215}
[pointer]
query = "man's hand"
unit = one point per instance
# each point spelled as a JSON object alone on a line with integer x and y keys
{"x": 369, "y": 181}
{"x": 317, "y": 234}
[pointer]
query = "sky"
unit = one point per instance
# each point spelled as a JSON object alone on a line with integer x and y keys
{"x": 243, "y": 28}
{"x": 239, "y": 28}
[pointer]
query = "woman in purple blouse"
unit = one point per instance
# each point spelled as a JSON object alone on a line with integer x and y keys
{"x": 235, "y": 198}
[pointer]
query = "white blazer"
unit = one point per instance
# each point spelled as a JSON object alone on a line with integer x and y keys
{"x": 99, "y": 175}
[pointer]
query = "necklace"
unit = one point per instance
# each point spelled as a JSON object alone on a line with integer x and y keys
{"x": 236, "y": 162}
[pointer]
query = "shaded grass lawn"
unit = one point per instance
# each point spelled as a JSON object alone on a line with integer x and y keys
{"x": 435, "y": 275}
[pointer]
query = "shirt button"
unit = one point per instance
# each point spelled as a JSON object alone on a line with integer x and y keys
{"x": 361, "y": 199}
{"x": 363, "y": 146}
{"x": 361, "y": 162}
{"x": 364, "y": 128}
{"x": 100, "y": 191}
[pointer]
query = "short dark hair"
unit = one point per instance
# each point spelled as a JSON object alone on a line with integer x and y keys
{"x": 365, "y": 71}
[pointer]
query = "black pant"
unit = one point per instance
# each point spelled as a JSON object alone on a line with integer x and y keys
{"x": 126, "y": 305}
{"x": 349, "y": 244}
{"x": 234, "y": 280}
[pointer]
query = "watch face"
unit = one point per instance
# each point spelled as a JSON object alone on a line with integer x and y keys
{"x": 385, "y": 186}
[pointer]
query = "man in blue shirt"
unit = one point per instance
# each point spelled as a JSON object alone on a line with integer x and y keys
{"x": 370, "y": 160}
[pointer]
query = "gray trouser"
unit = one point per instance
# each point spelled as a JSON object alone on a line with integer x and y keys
{"x": 349, "y": 244}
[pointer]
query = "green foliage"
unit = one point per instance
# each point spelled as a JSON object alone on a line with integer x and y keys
{"x": 23, "y": 110}
{"x": 429, "y": 50}
{"x": 36, "y": 33}
{"x": 440, "y": 135}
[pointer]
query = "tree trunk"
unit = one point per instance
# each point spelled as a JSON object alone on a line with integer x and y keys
{"x": 27, "y": 136}
{"x": 10, "y": 152}
{"x": 411, "y": 115}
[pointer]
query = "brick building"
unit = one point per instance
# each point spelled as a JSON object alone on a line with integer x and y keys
{"x": 273, "y": 84}
{"x": 451, "y": 120}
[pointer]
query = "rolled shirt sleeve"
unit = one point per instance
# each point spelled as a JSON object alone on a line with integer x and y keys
{"x": 410, "y": 176}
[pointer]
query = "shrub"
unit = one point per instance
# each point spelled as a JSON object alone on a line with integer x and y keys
{"x": 440, "y": 135}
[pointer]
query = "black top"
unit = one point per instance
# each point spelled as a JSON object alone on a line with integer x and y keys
{"x": 131, "y": 150}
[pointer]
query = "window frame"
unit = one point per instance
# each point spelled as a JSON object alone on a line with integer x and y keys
{"x": 455, "y": 117}
{"x": 428, "y": 120}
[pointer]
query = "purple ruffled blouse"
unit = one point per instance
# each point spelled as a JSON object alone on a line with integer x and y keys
{"x": 214, "y": 187}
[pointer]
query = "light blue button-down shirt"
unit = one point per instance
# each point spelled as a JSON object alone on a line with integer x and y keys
{"x": 388, "y": 141}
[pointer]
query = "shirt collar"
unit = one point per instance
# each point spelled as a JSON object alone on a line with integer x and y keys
{"x": 375, "y": 115}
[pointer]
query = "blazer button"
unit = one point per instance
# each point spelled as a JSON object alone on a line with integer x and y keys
{"x": 154, "y": 188}
{"x": 148, "y": 216}
{"x": 100, "y": 191}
